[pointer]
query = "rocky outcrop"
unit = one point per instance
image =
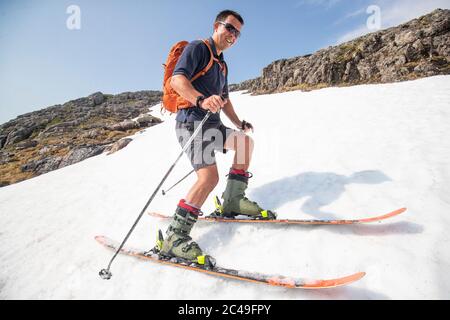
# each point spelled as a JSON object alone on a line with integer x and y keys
{"x": 118, "y": 145}
{"x": 61, "y": 135}
{"x": 419, "y": 48}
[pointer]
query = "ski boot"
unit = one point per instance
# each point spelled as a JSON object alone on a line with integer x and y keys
{"x": 234, "y": 201}
{"x": 178, "y": 243}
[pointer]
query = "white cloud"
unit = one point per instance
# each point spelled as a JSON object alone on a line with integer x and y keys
{"x": 326, "y": 3}
{"x": 351, "y": 15}
{"x": 393, "y": 13}
{"x": 355, "y": 13}
{"x": 400, "y": 11}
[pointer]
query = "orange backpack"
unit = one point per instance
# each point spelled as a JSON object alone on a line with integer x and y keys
{"x": 171, "y": 100}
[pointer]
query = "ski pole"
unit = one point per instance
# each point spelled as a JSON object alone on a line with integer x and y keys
{"x": 165, "y": 191}
{"x": 106, "y": 273}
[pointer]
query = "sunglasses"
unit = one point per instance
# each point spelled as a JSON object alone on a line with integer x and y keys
{"x": 231, "y": 29}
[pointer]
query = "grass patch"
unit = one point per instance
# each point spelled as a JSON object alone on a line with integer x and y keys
{"x": 347, "y": 51}
{"x": 56, "y": 120}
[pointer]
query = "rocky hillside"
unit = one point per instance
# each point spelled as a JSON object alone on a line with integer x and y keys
{"x": 52, "y": 138}
{"x": 416, "y": 49}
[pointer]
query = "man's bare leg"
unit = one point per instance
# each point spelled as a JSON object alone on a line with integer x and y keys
{"x": 207, "y": 179}
{"x": 178, "y": 242}
{"x": 234, "y": 200}
{"x": 243, "y": 146}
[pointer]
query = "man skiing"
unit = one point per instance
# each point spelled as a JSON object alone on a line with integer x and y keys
{"x": 210, "y": 93}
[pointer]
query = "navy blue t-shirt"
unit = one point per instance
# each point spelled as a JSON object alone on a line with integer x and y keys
{"x": 194, "y": 59}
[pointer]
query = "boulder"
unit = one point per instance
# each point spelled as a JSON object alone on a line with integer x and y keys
{"x": 80, "y": 153}
{"x": 26, "y": 144}
{"x": 3, "y": 141}
{"x": 118, "y": 145}
{"x": 18, "y": 135}
{"x": 98, "y": 98}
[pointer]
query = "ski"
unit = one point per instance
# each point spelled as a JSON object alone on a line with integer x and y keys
{"x": 292, "y": 221}
{"x": 272, "y": 280}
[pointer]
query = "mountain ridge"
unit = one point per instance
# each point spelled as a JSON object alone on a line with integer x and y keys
{"x": 415, "y": 49}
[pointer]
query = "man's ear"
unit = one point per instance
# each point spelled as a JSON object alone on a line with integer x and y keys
{"x": 215, "y": 26}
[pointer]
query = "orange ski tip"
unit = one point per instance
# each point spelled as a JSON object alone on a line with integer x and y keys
{"x": 383, "y": 217}
{"x": 332, "y": 283}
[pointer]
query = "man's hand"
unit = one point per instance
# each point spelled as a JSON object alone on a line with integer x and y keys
{"x": 213, "y": 103}
{"x": 246, "y": 126}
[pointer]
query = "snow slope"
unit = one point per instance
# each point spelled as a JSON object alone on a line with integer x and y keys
{"x": 333, "y": 153}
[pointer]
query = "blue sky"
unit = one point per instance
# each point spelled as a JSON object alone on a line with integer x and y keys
{"x": 121, "y": 45}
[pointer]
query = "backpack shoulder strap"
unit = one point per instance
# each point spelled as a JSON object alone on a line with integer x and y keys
{"x": 209, "y": 65}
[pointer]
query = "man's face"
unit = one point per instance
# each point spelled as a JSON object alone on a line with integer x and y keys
{"x": 225, "y": 38}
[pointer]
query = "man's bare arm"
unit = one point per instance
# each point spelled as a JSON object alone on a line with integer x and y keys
{"x": 184, "y": 88}
{"x": 228, "y": 109}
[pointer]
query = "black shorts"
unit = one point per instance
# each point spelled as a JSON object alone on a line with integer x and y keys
{"x": 210, "y": 138}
